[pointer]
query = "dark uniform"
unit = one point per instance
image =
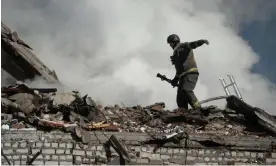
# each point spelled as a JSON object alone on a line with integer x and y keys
{"x": 186, "y": 73}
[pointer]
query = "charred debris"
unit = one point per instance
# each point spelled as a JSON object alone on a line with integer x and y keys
{"x": 46, "y": 109}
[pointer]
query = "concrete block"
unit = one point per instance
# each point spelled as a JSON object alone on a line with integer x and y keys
{"x": 179, "y": 161}
{"x": 240, "y": 154}
{"x": 261, "y": 155}
{"x": 9, "y": 157}
{"x": 68, "y": 157}
{"x": 37, "y": 162}
{"x": 170, "y": 150}
{"x": 98, "y": 153}
{"x": 17, "y": 162}
{"x": 89, "y": 153}
{"x": 273, "y": 155}
{"x": 34, "y": 151}
{"x": 233, "y": 154}
{"x": 137, "y": 148}
{"x": 145, "y": 154}
{"x": 247, "y": 154}
{"x": 62, "y": 157}
{"x": 164, "y": 150}
{"x": 54, "y": 157}
{"x": 78, "y": 146}
{"x": 270, "y": 160}
{"x": 213, "y": 159}
{"x": 65, "y": 163}
{"x": 8, "y": 151}
{"x": 69, "y": 145}
{"x": 93, "y": 148}
{"x": 143, "y": 148}
{"x": 21, "y": 151}
{"x": 78, "y": 152}
{"x": 176, "y": 150}
{"x": 201, "y": 152}
{"x": 155, "y": 162}
{"x": 78, "y": 160}
{"x": 15, "y": 145}
{"x": 48, "y": 151}
{"x": 47, "y": 145}
{"x": 23, "y": 157}
{"x": 100, "y": 148}
{"x": 39, "y": 144}
{"x": 253, "y": 154}
{"x": 67, "y": 151}
{"x": 54, "y": 145}
{"x": 190, "y": 152}
{"x": 7, "y": 144}
{"x": 16, "y": 157}
{"x": 62, "y": 145}
{"x": 142, "y": 160}
{"x": 51, "y": 163}
{"x": 86, "y": 161}
{"x": 165, "y": 157}
{"x": 60, "y": 151}
{"x": 227, "y": 153}
{"x": 47, "y": 157}
{"x": 191, "y": 158}
{"x": 182, "y": 151}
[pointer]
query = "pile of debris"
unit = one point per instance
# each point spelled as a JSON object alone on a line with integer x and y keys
{"x": 45, "y": 109}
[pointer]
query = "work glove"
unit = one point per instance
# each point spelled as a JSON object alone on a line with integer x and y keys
{"x": 174, "y": 81}
{"x": 205, "y": 41}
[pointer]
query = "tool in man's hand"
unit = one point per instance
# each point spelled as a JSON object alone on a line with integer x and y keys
{"x": 163, "y": 77}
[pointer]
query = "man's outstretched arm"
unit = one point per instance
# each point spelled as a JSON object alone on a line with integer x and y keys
{"x": 198, "y": 43}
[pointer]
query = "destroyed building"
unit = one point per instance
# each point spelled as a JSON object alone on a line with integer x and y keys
{"x": 41, "y": 126}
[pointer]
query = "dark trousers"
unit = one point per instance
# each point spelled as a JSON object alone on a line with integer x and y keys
{"x": 185, "y": 93}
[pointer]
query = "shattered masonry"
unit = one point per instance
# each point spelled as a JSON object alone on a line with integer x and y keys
{"x": 19, "y": 61}
{"x": 42, "y": 126}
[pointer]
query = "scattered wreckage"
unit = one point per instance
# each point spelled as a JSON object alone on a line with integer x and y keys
{"x": 24, "y": 107}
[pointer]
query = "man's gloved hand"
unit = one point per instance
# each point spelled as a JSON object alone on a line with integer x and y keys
{"x": 205, "y": 41}
{"x": 174, "y": 81}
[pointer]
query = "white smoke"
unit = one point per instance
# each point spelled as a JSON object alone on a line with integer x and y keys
{"x": 113, "y": 50}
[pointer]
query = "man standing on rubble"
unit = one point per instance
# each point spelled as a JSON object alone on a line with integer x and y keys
{"x": 186, "y": 71}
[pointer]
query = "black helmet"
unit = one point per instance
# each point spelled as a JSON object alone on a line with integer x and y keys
{"x": 173, "y": 39}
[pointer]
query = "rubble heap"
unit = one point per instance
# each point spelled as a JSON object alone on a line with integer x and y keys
{"x": 45, "y": 109}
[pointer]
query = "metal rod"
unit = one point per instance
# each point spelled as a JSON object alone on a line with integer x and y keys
{"x": 212, "y": 99}
{"x": 235, "y": 86}
{"x": 223, "y": 84}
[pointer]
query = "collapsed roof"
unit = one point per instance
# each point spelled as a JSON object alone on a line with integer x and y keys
{"x": 18, "y": 59}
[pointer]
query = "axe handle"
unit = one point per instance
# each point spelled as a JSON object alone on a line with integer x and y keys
{"x": 163, "y": 77}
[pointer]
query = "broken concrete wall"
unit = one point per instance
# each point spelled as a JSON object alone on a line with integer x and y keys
{"x": 7, "y": 79}
{"x": 19, "y": 61}
{"x": 59, "y": 148}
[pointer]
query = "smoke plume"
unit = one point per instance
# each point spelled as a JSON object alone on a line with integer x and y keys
{"x": 113, "y": 50}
